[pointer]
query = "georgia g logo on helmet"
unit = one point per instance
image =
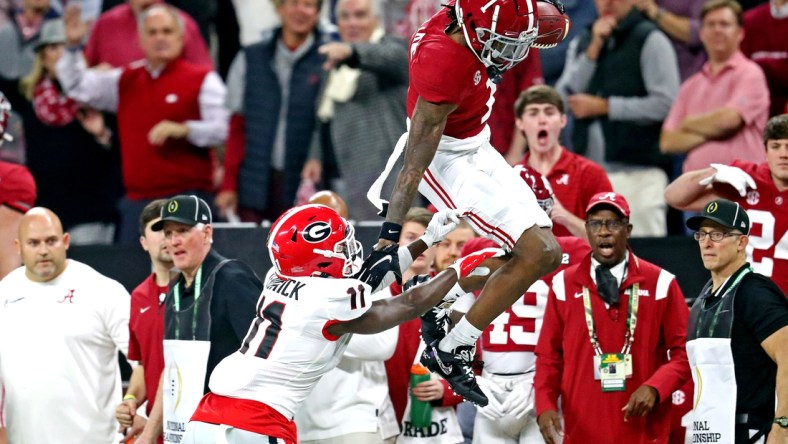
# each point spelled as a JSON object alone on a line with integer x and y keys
{"x": 316, "y": 232}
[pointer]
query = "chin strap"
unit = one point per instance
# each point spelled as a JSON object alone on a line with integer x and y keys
{"x": 495, "y": 74}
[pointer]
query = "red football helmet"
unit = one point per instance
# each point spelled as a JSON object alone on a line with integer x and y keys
{"x": 313, "y": 240}
{"x": 539, "y": 185}
{"x": 500, "y": 32}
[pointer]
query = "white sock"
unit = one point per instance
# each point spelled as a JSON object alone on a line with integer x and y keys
{"x": 462, "y": 334}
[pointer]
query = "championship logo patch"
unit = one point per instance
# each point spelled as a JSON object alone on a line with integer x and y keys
{"x": 316, "y": 232}
{"x": 172, "y": 207}
{"x": 712, "y": 207}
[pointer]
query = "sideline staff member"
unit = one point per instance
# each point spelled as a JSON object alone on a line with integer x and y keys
{"x": 737, "y": 337}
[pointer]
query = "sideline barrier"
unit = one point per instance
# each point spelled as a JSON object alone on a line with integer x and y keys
{"x": 129, "y": 264}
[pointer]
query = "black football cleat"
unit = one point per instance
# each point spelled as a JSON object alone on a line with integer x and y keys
{"x": 457, "y": 369}
{"x": 433, "y": 325}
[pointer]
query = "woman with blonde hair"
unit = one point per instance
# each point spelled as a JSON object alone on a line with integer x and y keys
{"x": 69, "y": 149}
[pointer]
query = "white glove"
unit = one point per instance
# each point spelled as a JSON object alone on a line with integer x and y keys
{"x": 442, "y": 223}
{"x": 519, "y": 400}
{"x": 493, "y": 410}
{"x": 731, "y": 175}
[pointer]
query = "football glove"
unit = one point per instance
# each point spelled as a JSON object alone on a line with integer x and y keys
{"x": 733, "y": 176}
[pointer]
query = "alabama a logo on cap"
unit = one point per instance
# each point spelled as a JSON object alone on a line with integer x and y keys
{"x": 172, "y": 207}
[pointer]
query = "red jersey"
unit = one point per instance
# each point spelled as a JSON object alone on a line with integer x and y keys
{"x": 767, "y": 208}
{"x": 517, "y": 329}
{"x": 565, "y": 357}
{"x": 146, "y": 333}
{"x": 443, "y": 71}
{"x": 575, "y": 180}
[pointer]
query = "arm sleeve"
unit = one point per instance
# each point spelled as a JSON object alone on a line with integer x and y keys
{"x": 377, "y": 347}
{"x": 766, "y": 308}
{"x": 211, "y": 129}
{"x": 749, "y": 96}
{"x": 549, "y": 356}
{"x": 241, "y": 289}
{"x": 116, "y": 315}
{"x": 387, "y": 59}
{"x": 578, "y": 70}
{"x": 236, "y": 83}
{"x": 98, "y": 89}
{"x": 348, "y": 300}
{"x": 678, "y": 111}
{"x": 661, "y": 76}
{"x": 672, "y": 375}
{"x": 234, "y": 151}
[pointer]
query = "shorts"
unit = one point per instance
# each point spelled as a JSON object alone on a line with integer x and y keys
{"x": 17, "y": 187}
{"x": 500, "y": 205}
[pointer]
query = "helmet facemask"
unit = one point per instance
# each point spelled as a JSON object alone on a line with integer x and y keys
{"x": 349, "y": 250}
{"x": 496, "y": 50}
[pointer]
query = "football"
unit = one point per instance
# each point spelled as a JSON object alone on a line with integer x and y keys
{"x": 553, "y": 24}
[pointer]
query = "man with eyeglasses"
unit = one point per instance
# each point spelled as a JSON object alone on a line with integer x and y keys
{"x": 612, "y": 342}
{"x": 737, "y": 338}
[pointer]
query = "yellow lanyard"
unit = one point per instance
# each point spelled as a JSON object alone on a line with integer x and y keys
{"x": 177, "y": 300}
{"x": 632, "y": 319}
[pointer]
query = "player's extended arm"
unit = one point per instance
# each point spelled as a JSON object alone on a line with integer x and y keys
{"x": 426, "y": 129}
{"x": 686, "y": 193}
{"x": 386, "y": 313}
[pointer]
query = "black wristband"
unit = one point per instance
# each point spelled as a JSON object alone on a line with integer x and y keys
{"x": 390, "y": 231}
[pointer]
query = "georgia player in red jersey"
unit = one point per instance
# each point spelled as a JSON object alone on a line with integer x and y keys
{"x": 508, "y": 343}
{"x": 456, "y": 58}
{"x": 761, "y": 189}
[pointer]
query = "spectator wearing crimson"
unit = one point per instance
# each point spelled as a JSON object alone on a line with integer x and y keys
{"x": 146, "y": 334}
{"x": 766, "y": 43}
{"x": 612, "y": 342}
{"x": 573, "y": 178}
{"x": 114, "y": 38}
{"x": 167, "y": 132}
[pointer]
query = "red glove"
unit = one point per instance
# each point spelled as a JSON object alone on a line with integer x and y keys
{"x": 467, "y": 265}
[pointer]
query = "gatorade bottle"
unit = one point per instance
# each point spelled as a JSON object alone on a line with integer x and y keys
{"x": 420, "y": 411}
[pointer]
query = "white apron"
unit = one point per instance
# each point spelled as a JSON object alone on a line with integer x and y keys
{"x": 713, "y": 418}
{"x": 184, "y": 380}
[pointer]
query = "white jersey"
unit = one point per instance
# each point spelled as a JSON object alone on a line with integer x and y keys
{"x": 58, "y": 355}
{"x": 287, "y": 349}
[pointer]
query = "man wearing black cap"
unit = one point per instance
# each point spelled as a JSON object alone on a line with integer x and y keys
{"x": 208, "y": 309}
{"x": 612, "y": 342}
{"x": 737, "y": 337}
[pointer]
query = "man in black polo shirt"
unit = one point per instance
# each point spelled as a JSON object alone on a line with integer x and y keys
{"x": 737, "y": 339}
{"x": 208, "y": 309}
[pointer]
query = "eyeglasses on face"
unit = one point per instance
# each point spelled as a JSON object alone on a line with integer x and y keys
{"x": 716, "y": 236}
{"x": 614, "y": 225}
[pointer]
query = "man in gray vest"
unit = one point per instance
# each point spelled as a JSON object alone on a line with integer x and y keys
{"x": 621, "y": 77}
{"x": 737, "y": 338}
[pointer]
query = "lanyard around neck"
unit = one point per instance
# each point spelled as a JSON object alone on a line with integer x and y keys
{"x": 718, "y": 310}
{"x": 632, "y": 318}
{"x": 177, "y": 301}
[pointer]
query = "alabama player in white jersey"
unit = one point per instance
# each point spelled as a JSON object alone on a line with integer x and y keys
{"x": 304, "y": 319}
{"x": 508, "y": 343}
{"x": 761, "y": 189}
{"x": 456, "y": 59}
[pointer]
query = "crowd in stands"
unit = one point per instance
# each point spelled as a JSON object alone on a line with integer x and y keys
{"x": 250, "y": 106}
